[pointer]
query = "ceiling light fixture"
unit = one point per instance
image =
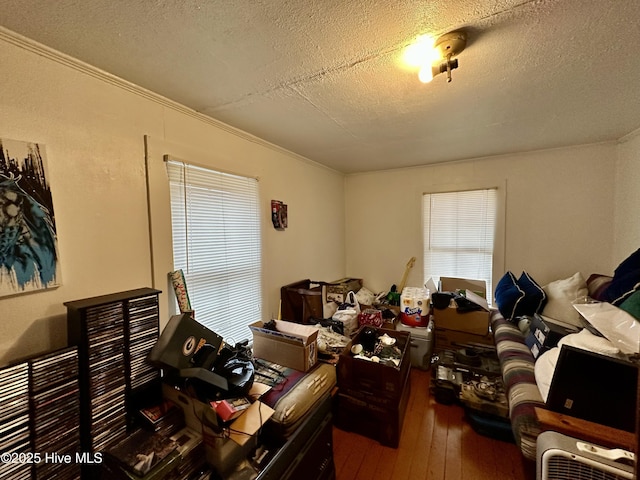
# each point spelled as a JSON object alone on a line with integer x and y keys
{"x": 447, "y": 46}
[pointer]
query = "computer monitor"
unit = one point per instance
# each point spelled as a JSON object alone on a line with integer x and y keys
{"x": 594, "y": 387}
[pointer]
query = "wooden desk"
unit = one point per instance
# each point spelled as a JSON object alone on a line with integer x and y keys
{"x": 584, "y": 430}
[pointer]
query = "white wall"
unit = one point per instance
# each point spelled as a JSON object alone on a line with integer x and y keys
{"x": 558, "y": 218}
{"x": 627, "y": 198}
{"x": 559, "y": 215}
{"x": 93, "y": 129}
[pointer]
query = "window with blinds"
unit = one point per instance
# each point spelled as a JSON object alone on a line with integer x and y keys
{"x": 459, "y": 231}
{"x": 216, "y": 242}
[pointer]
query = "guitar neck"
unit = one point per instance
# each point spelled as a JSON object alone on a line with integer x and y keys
{"x": 403, "y": 282}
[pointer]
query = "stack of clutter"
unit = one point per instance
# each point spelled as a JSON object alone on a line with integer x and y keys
{"x": 373, "y": 384}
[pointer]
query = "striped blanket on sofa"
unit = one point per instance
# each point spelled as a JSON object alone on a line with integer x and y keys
{"x": 517, "y": 364}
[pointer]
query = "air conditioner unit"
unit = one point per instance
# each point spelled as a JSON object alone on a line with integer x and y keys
{"x": 560, "y": 457}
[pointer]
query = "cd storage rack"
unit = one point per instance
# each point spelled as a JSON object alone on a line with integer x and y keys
{"x": 141, "y": 335}
{"x": 39, "y": 402}
{"x": 114, "y": 333}
{"x": 55, "y": 403}
{"x": 14, "y": 421}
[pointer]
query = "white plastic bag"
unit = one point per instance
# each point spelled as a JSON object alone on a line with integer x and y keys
{"x": 365, "y": 296}
{"x": 353, "y": 300}
{"x": 328, "y": 309}
{"x": 347, "y": 313}
{"x": 620, "y": 328}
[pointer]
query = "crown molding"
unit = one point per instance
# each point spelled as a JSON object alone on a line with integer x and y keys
{"x": 49, "y": 53}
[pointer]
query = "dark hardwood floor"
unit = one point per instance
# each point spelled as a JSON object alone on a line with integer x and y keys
{"x": 436, "y": 443}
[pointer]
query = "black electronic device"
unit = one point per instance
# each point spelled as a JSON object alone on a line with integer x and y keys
{"x": 205, "y": 356}
{"x": 239, "y": 374}
{"x": 235, "y": 364}
{"x": 594, "y": 387}
{"x": 191, "y": 351}
{"x": 180, "y": 341}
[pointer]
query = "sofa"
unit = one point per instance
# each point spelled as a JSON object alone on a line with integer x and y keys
{"x": 517, "y": 365}
{"x": 520, "y": 297}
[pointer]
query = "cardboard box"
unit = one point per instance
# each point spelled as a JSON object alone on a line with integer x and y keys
{"x": 355, "y": 374}
{"x": 338, "y": 289}
{"x": 290, "y": 345}
{"x": 222, "y": 450}
{"x": 476, "y": 322}
{"x": 451, "y": 284}
{"x": 452, "y": 339}
{"x": 223, "y": 453}
{"x": 196, "y": 413}
{"x": 388, "y": 322}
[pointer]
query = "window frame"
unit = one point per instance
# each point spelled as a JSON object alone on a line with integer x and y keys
{"x": 498, "y": 263}
{"x": 216, "y": 308}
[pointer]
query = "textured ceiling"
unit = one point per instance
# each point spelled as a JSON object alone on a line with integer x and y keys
{"x": 324, "y": 78}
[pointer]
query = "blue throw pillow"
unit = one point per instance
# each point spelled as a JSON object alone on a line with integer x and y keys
{"x": 626, "y": 280}
{"x": 534, "y": 297}
{"x": 508, "y": 295}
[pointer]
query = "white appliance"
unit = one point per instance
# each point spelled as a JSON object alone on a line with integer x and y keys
{"x": 560, "y": 457}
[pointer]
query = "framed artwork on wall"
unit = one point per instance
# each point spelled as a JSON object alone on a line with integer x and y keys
{"x": 28, "y": 240}
{"x": 279, "y": 215}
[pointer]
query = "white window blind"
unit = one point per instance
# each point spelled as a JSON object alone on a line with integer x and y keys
{"x": 459, "y": 229}
{"x": 216, "y": 242}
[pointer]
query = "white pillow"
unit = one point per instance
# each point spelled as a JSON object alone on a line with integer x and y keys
{"x": 543, "y": 370}
{"x": 560, "y": 297}
{"x": 586, "y": 340}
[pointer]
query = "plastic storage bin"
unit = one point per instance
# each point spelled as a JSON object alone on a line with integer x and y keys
{"x": 421, "y": 346}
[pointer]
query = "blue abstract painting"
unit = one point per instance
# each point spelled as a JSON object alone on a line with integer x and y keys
{"x": 28, "y": 240}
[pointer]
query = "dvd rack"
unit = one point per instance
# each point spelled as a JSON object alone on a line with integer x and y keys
{"x": 54, "y": 399}
{"x": 141, "y": 334}
{"x": 114, "y": 333}
{"x": 14, "y": 422}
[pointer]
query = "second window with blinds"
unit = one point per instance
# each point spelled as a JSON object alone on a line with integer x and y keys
{"x": 459, "y": 231}
{"x": 216, "y": 242}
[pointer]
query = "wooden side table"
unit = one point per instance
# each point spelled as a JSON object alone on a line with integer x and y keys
{"x": 585, "y": 430}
